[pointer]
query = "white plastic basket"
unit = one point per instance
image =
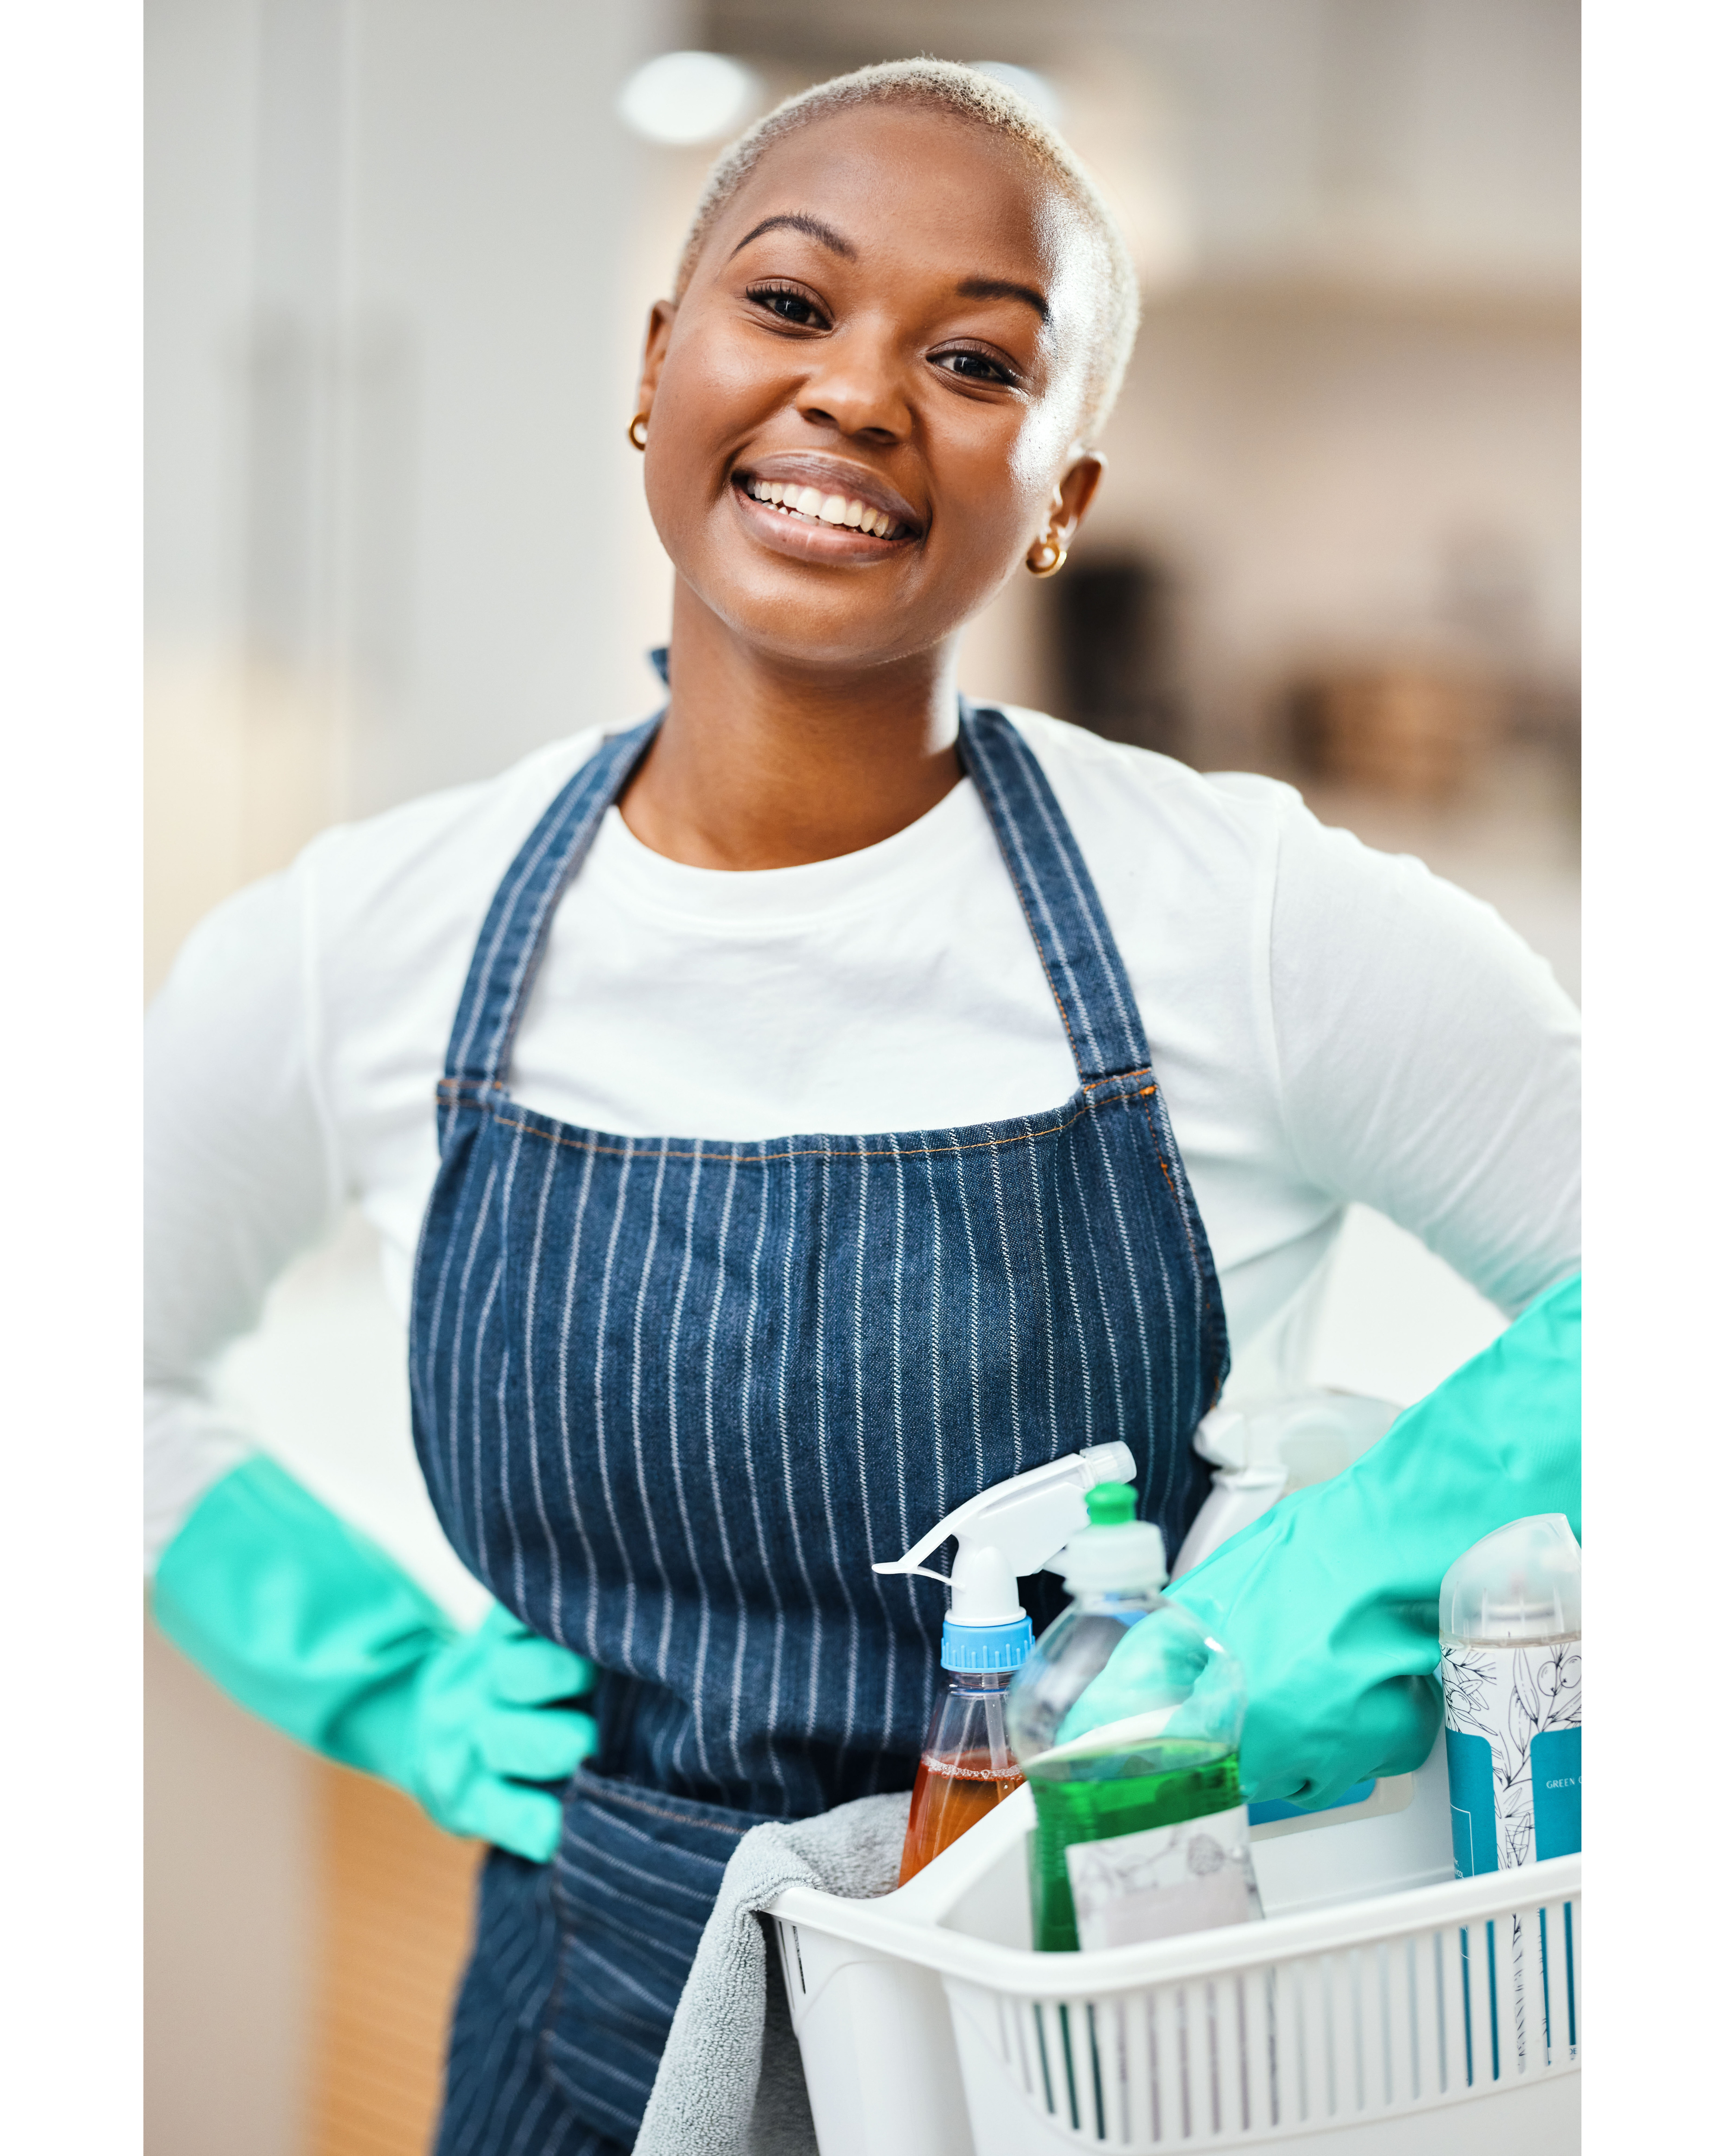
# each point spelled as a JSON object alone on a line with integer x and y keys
{"x": 1411, "y": 2023}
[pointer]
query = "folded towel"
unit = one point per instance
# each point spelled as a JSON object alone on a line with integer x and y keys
{"x": 730, "y": 2082}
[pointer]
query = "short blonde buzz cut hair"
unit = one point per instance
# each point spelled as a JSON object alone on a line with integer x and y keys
{"x": 943, "y": 86}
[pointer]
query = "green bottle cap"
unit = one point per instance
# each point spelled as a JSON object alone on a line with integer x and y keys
{"x": 1110, "y": 1504}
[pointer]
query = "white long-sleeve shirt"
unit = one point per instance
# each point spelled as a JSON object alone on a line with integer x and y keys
{"x": 1328, "y": 1024}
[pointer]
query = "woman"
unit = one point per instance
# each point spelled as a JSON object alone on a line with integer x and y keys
{"x": 673, "y": 1394}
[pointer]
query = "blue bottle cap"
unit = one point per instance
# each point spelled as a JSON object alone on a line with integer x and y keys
{"x": 985, "y": 1646}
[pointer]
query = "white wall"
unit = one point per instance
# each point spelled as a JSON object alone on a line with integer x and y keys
{"x": 494, "y": 210}
{"x": 390, "y": 364}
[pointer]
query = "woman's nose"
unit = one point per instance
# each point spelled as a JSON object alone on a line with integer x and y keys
{"x": 859, "y": 389}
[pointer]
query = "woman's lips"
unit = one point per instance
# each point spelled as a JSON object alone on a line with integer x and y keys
{"x": 831, "y": 529}
{"x": 819, "y": 508}
{"x": 833, "y": 503}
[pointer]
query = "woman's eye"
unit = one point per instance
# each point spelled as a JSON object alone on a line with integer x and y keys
{"x": 794, "y": 307}
{"x": 974, "y": 367}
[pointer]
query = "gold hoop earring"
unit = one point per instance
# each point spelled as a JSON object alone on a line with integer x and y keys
{"x": 1047, "y": 558}
{"x": 638, "y": 440}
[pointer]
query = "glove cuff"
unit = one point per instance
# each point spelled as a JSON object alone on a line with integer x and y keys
{"x": 299, "y": 1617}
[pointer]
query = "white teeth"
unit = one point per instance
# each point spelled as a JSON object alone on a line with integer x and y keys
{"x": 828, "y": 509}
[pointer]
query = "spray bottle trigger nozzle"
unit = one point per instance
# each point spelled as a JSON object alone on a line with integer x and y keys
{"x": 1010, "y": 1530}
{"x": 919, "y": 1571}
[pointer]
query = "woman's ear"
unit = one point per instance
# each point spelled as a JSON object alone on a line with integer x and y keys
{"x": 1074, "y": 496}
{"x": 659, "y": 330}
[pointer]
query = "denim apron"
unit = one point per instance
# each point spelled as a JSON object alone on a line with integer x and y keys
{"x": 673, "y": 1396}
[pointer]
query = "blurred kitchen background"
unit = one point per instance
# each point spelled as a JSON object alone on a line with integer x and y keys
{"x": 400, "y": 254}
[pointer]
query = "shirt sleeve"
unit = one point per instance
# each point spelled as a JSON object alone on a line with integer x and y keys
{"x": 1430, "y": 1062}
{"x": 240, "y": 1173}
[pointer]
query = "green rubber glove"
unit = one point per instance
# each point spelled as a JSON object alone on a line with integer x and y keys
{"x": 310, "y": 1624}
{"x": 1329, "y": 1601}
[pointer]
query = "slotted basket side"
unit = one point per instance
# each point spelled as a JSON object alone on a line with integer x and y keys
{"x": 1399, "y": 2025}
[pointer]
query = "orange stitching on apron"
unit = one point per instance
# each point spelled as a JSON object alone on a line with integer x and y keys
{"x": 647, "y": 1151}
{"x": 448, "y": 1087}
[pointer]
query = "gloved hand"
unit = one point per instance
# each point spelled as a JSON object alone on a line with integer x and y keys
{"x": 1330, "y": 1599}
{"x": 310, "y": 1624}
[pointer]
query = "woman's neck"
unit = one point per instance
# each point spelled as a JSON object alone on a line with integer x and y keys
{"x": 762, "y": 766}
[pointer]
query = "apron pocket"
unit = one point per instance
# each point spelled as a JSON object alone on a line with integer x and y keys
{"x": 633, "y": 1881}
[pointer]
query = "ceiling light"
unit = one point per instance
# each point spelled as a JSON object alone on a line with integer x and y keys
{"x": 684, "y": 98}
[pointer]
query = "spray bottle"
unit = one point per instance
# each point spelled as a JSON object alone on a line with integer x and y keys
{"x": 1004, "y": 1533}
{"x": 1265, "y": 1449}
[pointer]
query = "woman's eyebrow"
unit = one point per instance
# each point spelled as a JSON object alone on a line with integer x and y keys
{"x": 798, "y": 221}
{"x": 1003, "y": 288}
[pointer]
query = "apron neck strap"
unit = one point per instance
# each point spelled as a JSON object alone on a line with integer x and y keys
{"x": 512, "y": 942}
{"x": 1067, "y": 924}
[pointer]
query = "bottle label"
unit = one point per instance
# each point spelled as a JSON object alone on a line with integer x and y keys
{"x": 1513, "y": 1736}
{"x": 1164, "y": 1880}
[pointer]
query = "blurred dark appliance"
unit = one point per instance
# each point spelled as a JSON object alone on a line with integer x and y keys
{"x": 1421, "y": 731}
{"x": 1113, "y": 646}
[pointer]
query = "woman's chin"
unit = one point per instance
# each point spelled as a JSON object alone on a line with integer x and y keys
{"x": 806, "y": 613}
{"x": 822, "y": 631}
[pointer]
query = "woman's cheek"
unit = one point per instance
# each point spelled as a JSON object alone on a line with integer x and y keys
{"x": 723, "y": 382}
{"x": 1044, "y": 439}
{"x": 701, "y": 407}
{"x": 1003, "y": 490}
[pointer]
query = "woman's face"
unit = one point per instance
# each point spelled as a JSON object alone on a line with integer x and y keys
{"x": 888, "y": 335}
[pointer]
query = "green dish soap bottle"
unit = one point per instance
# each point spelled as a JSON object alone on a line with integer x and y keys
{"x": 1127, "y": 1720}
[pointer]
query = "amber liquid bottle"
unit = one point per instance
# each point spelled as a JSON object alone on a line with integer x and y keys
{"x": 966, "y": 1768}
{"x": 1004, "y": 1533}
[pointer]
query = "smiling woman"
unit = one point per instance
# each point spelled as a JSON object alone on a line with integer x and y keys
{"x": 804, "y": 1156}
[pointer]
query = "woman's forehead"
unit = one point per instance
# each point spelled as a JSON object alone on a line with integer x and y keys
{"x": 920, "y": 187}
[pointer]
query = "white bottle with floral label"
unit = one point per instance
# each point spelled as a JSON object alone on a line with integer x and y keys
{"x": 1509, "y": 1617}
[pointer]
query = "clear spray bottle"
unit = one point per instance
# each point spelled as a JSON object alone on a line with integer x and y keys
{"x": 1004, "y": 1534}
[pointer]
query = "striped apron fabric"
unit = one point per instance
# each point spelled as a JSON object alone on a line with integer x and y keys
{"x": 673, "y": 1396}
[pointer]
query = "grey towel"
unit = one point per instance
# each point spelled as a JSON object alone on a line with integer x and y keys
{"x": 730, "y": 2081}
